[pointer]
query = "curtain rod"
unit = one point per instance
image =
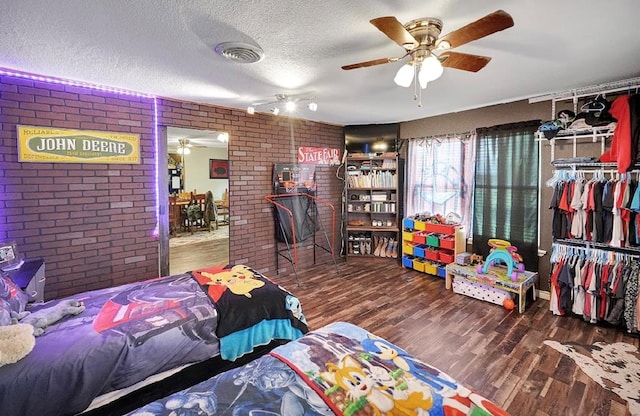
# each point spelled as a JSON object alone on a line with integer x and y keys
{"x": 443, "y": 136}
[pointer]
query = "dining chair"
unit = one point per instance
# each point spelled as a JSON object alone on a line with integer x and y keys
{"x": 174, "y": 216}
{"x": 223, "y": 209}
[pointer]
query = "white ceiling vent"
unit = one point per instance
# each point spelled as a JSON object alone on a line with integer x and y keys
{"x": 243, "y": 53}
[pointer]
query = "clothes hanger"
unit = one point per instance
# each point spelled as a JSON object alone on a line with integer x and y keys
{"x": 594, "y": 105}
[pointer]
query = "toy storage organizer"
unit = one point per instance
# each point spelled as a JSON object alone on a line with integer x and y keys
{"x": 428, "y": 247}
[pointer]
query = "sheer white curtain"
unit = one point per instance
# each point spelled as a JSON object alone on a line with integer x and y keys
{"x": 440, "y": 173}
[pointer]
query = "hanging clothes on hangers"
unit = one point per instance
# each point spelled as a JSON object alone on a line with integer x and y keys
{"x": 597, "y": 285}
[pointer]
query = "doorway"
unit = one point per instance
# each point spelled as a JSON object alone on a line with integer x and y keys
{"x": 194, "y": 162}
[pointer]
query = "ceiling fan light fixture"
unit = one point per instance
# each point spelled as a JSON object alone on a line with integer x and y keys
{"x": 184, "y": 151}
{"x": 444, "y": 44}
{"x": 290, "y": 105}
{"x": 405, "y": 75}
{"x": 223, "y": 137}
{"x": 430, "y": 70}
{"x": 275, "y": 111}
{"x": 313, "y": 106}
{"x": 251, "y": 110}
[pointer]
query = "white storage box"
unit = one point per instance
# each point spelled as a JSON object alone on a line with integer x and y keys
{"x": 479, "y": 291}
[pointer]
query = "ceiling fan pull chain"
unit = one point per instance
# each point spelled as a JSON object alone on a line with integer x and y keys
{"x": 417, "y": 95}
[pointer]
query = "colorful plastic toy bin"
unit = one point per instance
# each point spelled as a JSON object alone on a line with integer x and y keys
{"x": 407, "y": 261}
{"x": 420, "y": 225}
{"x": 440, "y": 228}
{"x": 432, "y": 254}
{"x": 420, "y": 238}
{"x": 430, "y": 268}
{"x": 407, "y": 235}
{"x": 419, "y": 264}
{"x": 408, "y": 247}
{"x": 433, "y": 240}
{"x": 408, "y": 223}
{"x": 419, "y": 250}
{"x": 445, "y": 257}
{"x": 448, "y": 242}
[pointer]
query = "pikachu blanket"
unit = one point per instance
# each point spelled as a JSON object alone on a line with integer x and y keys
{"x": 252, "y": 310}
{"x": 339, "y": 369}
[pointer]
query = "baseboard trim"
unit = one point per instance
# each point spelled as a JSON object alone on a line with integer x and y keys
{"x": 543, "y": 294}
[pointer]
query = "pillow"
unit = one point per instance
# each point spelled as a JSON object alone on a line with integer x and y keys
{"x": 12, "y": 295}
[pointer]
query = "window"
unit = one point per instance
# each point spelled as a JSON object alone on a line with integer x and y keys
{"x": 440, "y": 177}
{"x": 506, "y": 189}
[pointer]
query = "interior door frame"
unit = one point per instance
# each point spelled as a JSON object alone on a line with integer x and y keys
{"x": 163, "y": 204}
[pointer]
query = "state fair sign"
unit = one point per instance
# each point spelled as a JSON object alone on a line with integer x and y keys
{"x": 53, "y": 145}
{"x": 319, "y": 155}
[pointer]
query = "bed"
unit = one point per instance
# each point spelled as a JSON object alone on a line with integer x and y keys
{"x": 339, "y": 369}
{"x": 129, "y": 336}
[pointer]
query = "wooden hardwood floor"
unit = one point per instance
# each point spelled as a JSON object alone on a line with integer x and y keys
{"x": 193, "y": 256}
{"x": 498, "y": 353}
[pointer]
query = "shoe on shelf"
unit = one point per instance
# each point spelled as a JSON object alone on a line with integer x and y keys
{"x": 394, "y": 252}
{"x": 389, "y": 250}
{"x": 382, "y": 243}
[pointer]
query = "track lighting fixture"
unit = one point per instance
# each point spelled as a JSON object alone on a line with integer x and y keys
{"x": 285, "y": 103}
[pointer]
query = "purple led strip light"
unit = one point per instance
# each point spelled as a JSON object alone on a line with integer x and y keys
{"x": 53, "y": 80}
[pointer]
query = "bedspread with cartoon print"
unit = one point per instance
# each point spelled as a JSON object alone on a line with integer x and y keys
{"x": 134, "y": 331}
{"x": 339, "y": 369}
{"x": 252, "y": 310}
{"x": 124, "y": 335}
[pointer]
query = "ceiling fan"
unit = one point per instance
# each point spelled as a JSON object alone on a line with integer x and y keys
{"x": 185, "y": 146}
{"x": 421, "y": 39}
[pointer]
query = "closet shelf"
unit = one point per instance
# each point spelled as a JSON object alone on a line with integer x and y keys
{"x": 592, "y": 135}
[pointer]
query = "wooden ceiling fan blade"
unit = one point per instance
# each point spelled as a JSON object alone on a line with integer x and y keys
{"x": 491, "y": 23}
{"x": 463, "y": 61}
{"x": 370, "y": 63}
{"x": 395, "y": 31}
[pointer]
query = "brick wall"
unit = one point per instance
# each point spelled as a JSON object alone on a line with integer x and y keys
{"x": 93, "y": 223}
{"x": 256, "y": 143}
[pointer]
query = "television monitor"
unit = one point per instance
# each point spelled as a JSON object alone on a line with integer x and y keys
{"x": 9, "y": 255}
{"x": 366, "y": 138}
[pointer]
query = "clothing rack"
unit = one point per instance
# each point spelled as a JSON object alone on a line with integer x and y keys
{"x": 569, "y": 246}
{"x": 573, "y": 172}
{"x": 598, "y": 285}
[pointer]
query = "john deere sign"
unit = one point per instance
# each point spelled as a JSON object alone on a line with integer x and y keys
{"x": 45, "y": 144}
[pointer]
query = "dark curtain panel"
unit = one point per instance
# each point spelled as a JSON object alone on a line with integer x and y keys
{"x": 506, "y": 189}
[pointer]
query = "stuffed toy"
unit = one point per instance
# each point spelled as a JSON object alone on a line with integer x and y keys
{"x": 16, "y": 341}
{"x": 45, "y": 317}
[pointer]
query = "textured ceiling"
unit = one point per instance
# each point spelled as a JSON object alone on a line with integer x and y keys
{"x": 166, "y": 48}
